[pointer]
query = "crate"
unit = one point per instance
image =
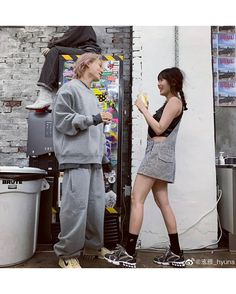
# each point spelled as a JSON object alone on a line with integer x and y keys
{"x": 111, "y": 228}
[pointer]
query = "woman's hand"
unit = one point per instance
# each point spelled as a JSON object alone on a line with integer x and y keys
{"x": 139, "y": 103}
{"x": 106, "y": 117}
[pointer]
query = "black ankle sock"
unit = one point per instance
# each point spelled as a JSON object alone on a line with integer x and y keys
{"x": 174, "y": 243}
{"x": 131, "y": 244}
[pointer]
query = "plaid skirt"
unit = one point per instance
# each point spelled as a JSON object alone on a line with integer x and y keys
{"x": 159, "y": 161}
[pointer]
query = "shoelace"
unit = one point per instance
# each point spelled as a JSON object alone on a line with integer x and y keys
{"x": 169, "y": 251}
{"x": 119, "y": 250}
{"x": 165, "y": 254}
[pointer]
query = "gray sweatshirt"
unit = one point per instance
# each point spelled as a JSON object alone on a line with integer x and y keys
{"x": 76, "y": 138}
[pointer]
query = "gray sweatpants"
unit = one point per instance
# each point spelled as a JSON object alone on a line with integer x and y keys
{"x": 82, "y": 211}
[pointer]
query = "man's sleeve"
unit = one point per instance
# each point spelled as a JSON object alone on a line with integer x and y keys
{"x": 66, "y": 120}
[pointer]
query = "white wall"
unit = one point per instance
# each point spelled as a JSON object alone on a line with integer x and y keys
{"x": 193, "y": 195}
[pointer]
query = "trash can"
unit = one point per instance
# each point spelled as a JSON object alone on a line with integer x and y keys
{"x": 20, "y": 190}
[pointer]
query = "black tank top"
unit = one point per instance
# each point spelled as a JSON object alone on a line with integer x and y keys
{"x": 170, "y": 128}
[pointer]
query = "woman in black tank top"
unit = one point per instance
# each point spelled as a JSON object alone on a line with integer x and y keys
{"x": 156, "y": 171}
{"x": 170, "y": 128}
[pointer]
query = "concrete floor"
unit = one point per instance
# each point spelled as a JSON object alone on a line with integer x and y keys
{"x": 217, "y": 258}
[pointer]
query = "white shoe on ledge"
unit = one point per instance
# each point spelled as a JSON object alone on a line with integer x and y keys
{"x": 44, "y": 99}
{"x": 40, "y": 104}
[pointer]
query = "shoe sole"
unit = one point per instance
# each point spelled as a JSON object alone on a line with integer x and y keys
{"x": 162, "y": 263}
{"x": 38, "y": 108}
{"x": 121, "y": 263}
{"x": 178, "y": 264}
{"x": 174, "y": 264}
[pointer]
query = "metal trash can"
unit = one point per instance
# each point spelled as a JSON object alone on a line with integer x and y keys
{"x": 20, "y": 190}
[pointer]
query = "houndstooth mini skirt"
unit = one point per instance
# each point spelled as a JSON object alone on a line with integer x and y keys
{"x": 159, "y": 161}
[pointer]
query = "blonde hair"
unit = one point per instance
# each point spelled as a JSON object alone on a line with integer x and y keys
{"x": 82, "y": 63}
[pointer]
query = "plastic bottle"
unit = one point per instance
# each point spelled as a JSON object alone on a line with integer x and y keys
{"x": 107, "y": 128}
{"x": 221, "y": 158}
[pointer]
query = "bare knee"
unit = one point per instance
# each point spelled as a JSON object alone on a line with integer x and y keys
{"x": 136, "y": 201}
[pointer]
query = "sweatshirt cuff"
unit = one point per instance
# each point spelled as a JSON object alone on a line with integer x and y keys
{"x": 97, "y": 119}
{"x": 89, "y": 120}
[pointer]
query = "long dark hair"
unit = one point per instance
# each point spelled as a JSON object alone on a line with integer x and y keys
{"x": 175, "y": 79}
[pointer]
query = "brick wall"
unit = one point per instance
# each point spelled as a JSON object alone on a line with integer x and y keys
{"x": 20, "y": 65}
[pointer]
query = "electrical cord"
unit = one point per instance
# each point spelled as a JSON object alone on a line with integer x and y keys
{"x": 220, "y": 191}
{"x": 198, "y": 221}
{"x": 218, "y": 219}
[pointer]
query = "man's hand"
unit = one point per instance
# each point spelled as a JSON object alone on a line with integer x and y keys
{"x": 106, "y": 117}
{"x": 45, "y": 51}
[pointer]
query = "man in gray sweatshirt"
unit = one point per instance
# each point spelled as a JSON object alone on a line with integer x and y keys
{"x": 79, "y": 145}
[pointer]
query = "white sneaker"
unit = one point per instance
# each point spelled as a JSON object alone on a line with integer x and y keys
{"x": 40, "y": 104}
{"x": 69, "y": 263}
{"x": 103, "y": 251}
{"x": 44, "y": 99}
{"x": 96, "y": 252}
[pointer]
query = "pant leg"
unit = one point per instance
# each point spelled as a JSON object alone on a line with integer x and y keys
{"x": 50, "y": 70}
{"x": 73, "y": 212}
{"x": 96, "y": 210}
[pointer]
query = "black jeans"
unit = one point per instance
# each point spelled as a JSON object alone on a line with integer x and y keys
{"x": 50, "y": 71}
